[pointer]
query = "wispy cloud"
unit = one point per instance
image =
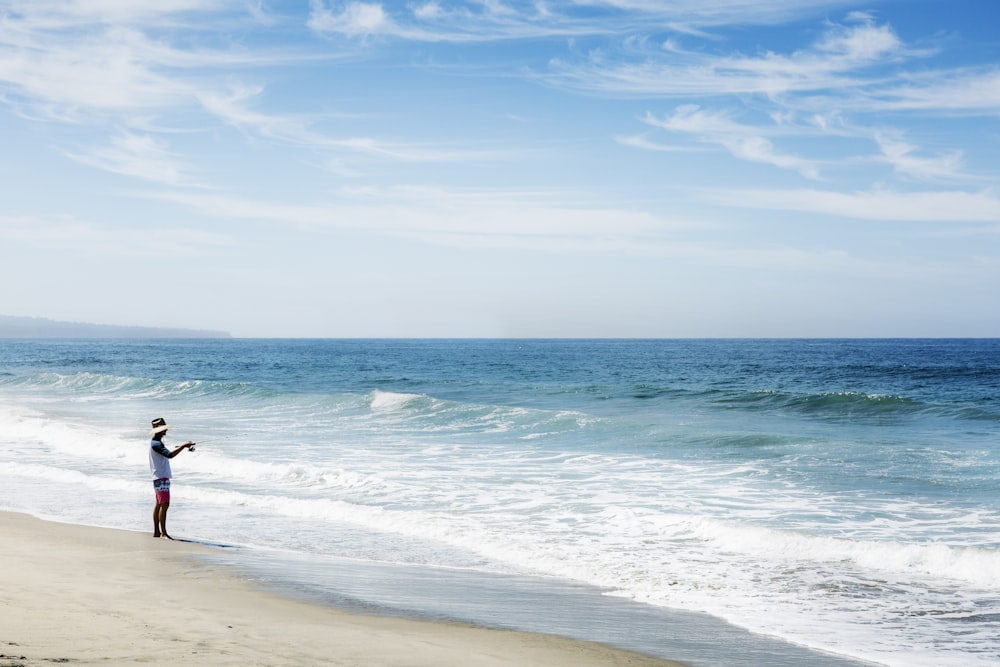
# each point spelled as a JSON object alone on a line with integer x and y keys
{"x": 510, "y": 219}
{"x": 62, "y": 14}
{"x": 457, "y": 22}
{"x": 721, "y": 12}
{"x": 235, "y": 106}
{"x": 355, "y": 19}
{"x": 836, "y": 62}
{"x": 129, "y": 68}
{"x": 962, "y": 91}
{"x": 494, "y": 20}
{"x": 545, "y": 222}
{"x": 936, "y": 207}
{"x": 133, "y": 69}
{"x": 646, "y": 143}
{"x": 88, "y": 238}
{"x": 107, "y": 72}
{"x": 813, "y": 98}
{"x": 140, "y": 156}
{"x": 534, "y": 222}
{"x": 906, "y": 160}
{"x": 742, "y": 141}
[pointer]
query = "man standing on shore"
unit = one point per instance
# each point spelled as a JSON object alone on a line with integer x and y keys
{"x": 159, "y": 465}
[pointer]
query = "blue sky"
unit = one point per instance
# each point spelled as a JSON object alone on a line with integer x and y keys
{"x": 503, "y": 168}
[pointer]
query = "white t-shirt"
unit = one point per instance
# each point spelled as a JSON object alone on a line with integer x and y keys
{"x": 159, "y": 460}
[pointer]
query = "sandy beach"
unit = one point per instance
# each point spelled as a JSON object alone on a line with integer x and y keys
{"x": 85, "y": 595}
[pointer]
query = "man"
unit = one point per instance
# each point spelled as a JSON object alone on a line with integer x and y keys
{"x": 159, "y": 465}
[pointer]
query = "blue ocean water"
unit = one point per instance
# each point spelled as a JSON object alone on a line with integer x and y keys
{"x": 839, "y": 495}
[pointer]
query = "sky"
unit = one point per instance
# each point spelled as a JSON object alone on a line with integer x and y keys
{"x": 503, "y": 168}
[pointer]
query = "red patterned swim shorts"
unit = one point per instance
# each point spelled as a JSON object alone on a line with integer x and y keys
{"x": 162, "y": 489}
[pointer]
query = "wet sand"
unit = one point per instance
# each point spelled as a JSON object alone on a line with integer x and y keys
{"x": 84, "y": 596}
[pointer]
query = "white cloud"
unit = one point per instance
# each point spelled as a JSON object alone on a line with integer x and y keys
{"x": 106, "y": 72}
{"x": 428, "y": 11}
{"x": 525, "y": 220}
{"x": 644, "y": 142}
{"x": 759, "y": 149}
{"x": 234, "y": 107}
{"x": 58, "y": 14}
{"x": 534, "y": 222}
{"x": 96, "y": 64}
{"x": 722, "y": 12}
{"x": 493, "y": 20}
{"x": 935, "y": 207}
{"x": 742, "y": 141}
{"x": 859, "y": 45}
{"x": 840, "y": 53}
{"x": 834, "y": 63}
{"x": 904, "y": 160}
{"x": 139, "y": 156}
{"x": 83, "y": 237}
{"x": 356, "y": 19}
{"x": 965, "y": 90}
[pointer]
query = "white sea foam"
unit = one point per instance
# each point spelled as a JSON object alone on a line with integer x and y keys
{"x": 389, "y": 401}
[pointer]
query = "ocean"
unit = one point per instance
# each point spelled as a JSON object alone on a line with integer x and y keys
{"x": 721, "y": 502}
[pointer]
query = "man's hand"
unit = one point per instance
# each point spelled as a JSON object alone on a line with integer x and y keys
{"x": 186, "y": 445}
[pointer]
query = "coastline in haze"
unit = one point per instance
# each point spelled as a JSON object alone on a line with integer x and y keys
{"x": 39, "y": 327}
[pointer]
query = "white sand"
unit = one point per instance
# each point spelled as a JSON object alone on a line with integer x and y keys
{"x": 88, "y": 596}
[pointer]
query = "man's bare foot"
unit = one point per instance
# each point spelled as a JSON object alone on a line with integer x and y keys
{"x": 164, "y": 536}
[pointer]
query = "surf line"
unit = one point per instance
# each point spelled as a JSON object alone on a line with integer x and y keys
{"x": 203, "y": 543}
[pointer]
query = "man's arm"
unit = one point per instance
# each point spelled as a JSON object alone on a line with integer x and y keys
{"x": 186, "y": 445}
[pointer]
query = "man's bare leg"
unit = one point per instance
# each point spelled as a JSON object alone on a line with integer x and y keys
{"x": 156, "y": 520}
{"x": 160, "y": 521}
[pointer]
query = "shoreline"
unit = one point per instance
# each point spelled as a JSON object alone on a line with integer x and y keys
{"x": 97, "y": 595}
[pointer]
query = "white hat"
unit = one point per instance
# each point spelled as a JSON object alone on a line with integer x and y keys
{"x": 159, "y": 425}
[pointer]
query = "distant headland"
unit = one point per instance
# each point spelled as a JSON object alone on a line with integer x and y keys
{"x": 38, "y": 327}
